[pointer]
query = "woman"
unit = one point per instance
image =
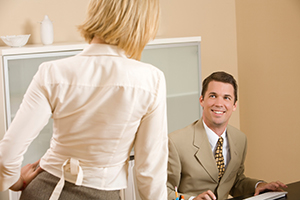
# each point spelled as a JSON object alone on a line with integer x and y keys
{"x": 103, "y": 102}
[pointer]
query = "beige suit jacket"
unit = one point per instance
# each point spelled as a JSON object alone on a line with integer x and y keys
{"x": 192, "y": 167}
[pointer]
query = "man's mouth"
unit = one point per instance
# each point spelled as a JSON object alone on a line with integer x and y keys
{"x": 218, "y": 112}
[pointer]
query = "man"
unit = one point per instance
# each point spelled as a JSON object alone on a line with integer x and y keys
{"x": 192, "y": 166}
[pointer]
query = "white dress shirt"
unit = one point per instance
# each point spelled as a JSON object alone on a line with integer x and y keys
{"x": 213, "y": 139}
{"x": 102, "y": 105}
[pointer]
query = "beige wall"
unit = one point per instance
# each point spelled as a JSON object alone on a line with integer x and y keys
{"x": 23, "y": 17}
{"x": 268, "y": 38}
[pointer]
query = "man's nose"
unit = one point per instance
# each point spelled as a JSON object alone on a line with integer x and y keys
{"x": 219, "y": 101}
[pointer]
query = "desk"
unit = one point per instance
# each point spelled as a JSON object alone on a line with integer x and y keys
{"x": 293, "y": 193}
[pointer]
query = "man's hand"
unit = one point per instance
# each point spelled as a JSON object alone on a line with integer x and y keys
{"x": 272, "y": 186}
{"x": 28, "y": 173}
{"x": 208, "y": 195}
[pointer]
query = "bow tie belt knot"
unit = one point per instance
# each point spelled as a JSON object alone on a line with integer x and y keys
{"x": 70, "y": 165}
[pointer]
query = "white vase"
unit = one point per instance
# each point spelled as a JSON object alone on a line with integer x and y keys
{"x": 47, "y": 31}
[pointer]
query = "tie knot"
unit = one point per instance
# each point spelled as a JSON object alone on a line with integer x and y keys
{"x": 220, "y": 141}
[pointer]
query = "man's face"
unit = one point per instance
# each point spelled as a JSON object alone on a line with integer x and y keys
{"x": 218, "y": 105}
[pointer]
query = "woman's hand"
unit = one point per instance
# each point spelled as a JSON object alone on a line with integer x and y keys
{"x": 28, "y": 173}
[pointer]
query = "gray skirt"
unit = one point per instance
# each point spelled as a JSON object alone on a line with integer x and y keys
{"x": 43, "y": 185}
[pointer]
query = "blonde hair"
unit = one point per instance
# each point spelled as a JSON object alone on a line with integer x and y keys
{"x": 129, "y": 24}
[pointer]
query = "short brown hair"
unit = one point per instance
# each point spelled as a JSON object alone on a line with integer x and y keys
{"x": 129, "y": 24}
{"x": 220, "y": 77}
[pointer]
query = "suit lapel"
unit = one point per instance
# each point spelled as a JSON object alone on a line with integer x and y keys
{"x": 204, "y": 153}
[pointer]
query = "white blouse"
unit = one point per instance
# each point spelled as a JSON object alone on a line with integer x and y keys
{"x": 102, "y": 105}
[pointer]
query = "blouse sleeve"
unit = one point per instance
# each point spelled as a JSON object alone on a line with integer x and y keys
{"x": 151, "y": 148}
{"x": 33, "y": 114}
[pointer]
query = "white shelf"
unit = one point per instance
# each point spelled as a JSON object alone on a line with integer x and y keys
{"x": 174, "y": 40}
{"x": 38, "y": 48}
{"x": 30, "y": 49}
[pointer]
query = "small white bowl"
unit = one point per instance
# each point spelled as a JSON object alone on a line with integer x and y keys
{"x": 15, "y": 40}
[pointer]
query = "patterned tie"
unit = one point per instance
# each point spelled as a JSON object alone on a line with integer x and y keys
{"x": 219, "y": 157}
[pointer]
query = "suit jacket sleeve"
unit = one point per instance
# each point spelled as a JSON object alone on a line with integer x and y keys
{"x": 174, "y": 172}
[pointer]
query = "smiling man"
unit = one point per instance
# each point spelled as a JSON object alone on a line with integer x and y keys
{"x": 206, "y": 158}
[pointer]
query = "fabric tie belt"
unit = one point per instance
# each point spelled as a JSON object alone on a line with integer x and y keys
{"x": 75, "y": 169}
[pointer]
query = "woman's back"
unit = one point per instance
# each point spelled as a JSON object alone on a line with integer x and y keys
{"x": 98, "y": 99}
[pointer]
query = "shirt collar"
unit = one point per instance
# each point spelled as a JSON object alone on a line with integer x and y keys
{"x": 102, "y": 50}
{"x": 212, "y": 136}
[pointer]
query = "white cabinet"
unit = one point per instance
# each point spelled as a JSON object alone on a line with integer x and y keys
{"x": 178, "y": 58}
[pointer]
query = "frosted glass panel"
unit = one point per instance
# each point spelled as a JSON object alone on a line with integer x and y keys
{"x": 182, "y": 111}
{"x": 181, "y": 66}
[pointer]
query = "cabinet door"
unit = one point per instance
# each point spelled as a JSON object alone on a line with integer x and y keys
{"x": 180, "y": 63}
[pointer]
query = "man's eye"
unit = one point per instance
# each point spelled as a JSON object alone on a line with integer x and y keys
{"x": 212, "y": 96}
{"x": 228, "y": 98}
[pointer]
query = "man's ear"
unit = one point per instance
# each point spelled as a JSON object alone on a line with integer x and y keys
{"x": 201, "y": 99}
{"x": 234, "y": 106}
